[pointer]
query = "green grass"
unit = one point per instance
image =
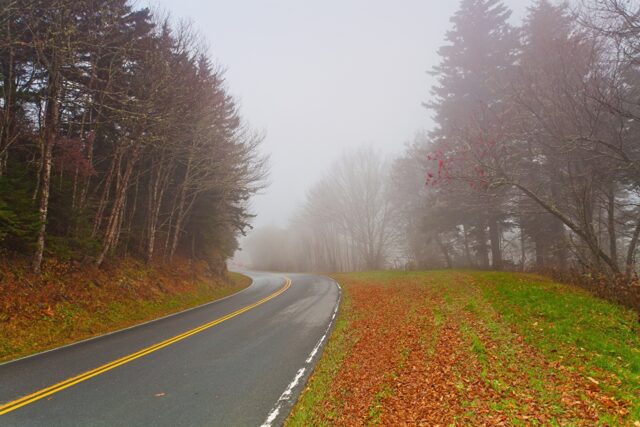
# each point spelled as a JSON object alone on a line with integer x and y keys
{"x": 589, "y": 335}
{"x": 377, "y": 409}
{"x": 306, "y": 412}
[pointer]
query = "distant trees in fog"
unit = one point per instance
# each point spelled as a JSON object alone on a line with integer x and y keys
{"x": 117, "y": 137}
{"x": 345, "y": 224}
{"x": 534, "y": 161}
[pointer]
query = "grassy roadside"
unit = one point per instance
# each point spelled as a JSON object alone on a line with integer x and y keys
{"x": 474, "y": 348}
{"x": 66, "y": 304}
{"x": 306, "y": 412}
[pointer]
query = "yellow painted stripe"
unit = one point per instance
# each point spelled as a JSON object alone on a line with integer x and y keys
{"x": 41, "y": 394}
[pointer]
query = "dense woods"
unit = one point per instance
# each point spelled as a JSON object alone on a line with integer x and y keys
{"x": 533, "y": 160}
{"x": 118, "y": 137}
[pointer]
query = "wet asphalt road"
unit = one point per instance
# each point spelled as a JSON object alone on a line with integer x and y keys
{"x": 240, "y": 372}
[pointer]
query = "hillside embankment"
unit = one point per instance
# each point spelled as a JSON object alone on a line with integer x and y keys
{"x": 69, "y": 301}
{"x": 474, "y": 348}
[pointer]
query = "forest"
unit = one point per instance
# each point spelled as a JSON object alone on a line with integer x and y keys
{"x": 118, "y": 138}
{"x": 533, "y": 162}
{"x": 482, "y": 270}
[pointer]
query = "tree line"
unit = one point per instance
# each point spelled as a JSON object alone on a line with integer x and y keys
{"x": 534, "y": 159}
{"x": 118, "y": 137}
{"x": 345, "y": 223}
{"x": 533, "y": 162}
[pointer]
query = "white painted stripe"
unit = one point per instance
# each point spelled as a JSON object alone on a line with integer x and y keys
{"x": 286, "y": 396}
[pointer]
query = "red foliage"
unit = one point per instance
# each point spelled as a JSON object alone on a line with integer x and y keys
{"x": 72, "y": 156}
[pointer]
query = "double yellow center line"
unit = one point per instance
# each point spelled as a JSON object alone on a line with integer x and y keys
{"x": 41, "y": 394}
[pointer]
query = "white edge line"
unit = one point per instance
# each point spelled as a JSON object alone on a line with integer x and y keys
{"x": 286, "y": 396}
{"x": 129, "y": 327}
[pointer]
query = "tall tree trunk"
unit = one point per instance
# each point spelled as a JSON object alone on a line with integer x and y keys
{"x": 168, "y": 235}
{"x": 559, "y": 245}
{"x": 467, "y": 251}
{"x": 631, "y": 251}
{"x": 177, "y": 231}
{"x": 123, "y": 211}
{"x": 483, "y": 250}
{"x": 181, "y": 209}
{"x": 89, "y": 137}
{"x": 7, "y": 130}
{"x": 106, "y": 192}
{"x": 611, "y": 222}
{"x": 444, "y": 250}
{"x": 155, "y": 202}
{"x": 87, "y": 181}
{"x": 523, "y": 252}
{"x": 52, "y": 113}
{"x": 114, "y": 222}
{"x": 586, "y": 233}
{"x": 494, "y": 236}
{"x": 540, "y": 251}
{"x": 44, "y": 205}
{"x": 132, "y": 215}
{"x": 36, "y": 190}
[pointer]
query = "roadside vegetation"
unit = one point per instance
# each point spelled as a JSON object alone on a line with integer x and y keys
{"x": 66, "y": 303}
{"x": 125, "y": 171}
{"x": 474, "y": 348}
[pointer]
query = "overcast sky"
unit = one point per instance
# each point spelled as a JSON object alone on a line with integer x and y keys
{"x": 321, "y": 76}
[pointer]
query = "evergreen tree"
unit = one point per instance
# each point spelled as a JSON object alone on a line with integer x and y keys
{"x": 123, "y": 138}
{"x": 468, "y": 101}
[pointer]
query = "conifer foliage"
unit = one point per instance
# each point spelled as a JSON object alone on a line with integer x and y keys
{"x": 118, "y": 136}
{"x": 533, "y": 162}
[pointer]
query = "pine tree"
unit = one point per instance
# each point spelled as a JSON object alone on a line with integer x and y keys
{"x": 545, "y": 28}
{"x": 469, "y": 96}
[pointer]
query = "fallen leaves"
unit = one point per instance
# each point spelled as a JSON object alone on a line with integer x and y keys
{"x": 437, "y": 355}
{"x": 380, "y": 314}
{"x": 69, "y": 302}
{"x": 593, "y": 381}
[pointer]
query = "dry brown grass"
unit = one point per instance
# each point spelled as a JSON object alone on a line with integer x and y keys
{"x": 69, "y": 302}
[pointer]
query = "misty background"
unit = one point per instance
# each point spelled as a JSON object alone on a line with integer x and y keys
{"x": 323, "y": 77}
{"x": 482, "y": 134}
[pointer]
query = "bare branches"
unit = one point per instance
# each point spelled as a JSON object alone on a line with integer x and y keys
{"x": 138, "y": 125}
{"x": 345, "y": 224}
{"x": 549, "y": 148}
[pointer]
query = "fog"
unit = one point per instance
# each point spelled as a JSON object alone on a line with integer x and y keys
{"x": 324, "y": 76}
{"x": 477, "y": 134}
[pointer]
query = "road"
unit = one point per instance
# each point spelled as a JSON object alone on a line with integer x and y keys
{"x": 240, "y": 361}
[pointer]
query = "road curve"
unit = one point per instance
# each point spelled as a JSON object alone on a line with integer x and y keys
{"x": 240, "y": 361}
